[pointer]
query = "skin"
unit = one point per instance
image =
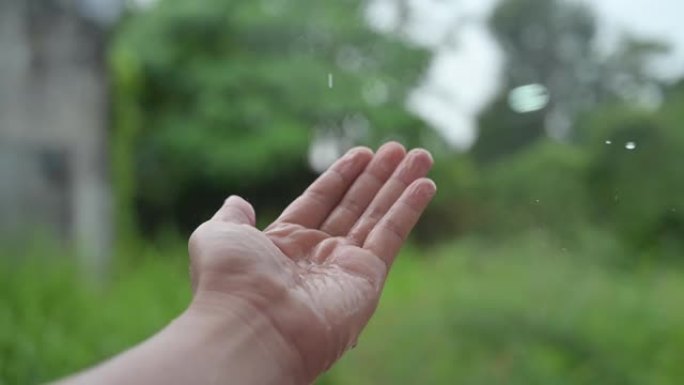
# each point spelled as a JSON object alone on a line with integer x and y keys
{"x": 280, "y": 306}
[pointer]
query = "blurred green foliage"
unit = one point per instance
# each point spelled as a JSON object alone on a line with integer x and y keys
{"x": 637, "y": 192}
{"x": 219, "y": 96}
{"x": 596, "y": 180}
{"x": 525, "y": 311}
{"x": 555, "y": 44}
{"x": 54, "y": 321}
{"x": 557, "y": 260}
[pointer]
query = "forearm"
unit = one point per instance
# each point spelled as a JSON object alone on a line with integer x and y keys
{"x": 237, "y": 346}
{"x": 280, "y": 306}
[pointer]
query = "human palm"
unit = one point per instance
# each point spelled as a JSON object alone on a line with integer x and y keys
{"x": 317, "y": 272}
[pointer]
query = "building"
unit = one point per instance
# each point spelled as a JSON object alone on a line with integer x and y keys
{"x": 54, "y": 169}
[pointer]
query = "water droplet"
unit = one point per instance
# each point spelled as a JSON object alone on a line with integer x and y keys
{"x": 537, "y": 201}
{"x": 330, "y": 80}
{"x": 376, "y": 92}
{"x": 630, "y": 146}
{"x": 529, "y": 98}
{"x": 609, "y": 142}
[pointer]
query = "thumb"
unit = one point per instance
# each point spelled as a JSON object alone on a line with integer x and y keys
{"x": 237, "y": 211}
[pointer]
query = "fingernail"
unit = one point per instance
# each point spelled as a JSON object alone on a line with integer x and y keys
{"x": 357, "y": 150}
{"x": 422, "y": 152}
{"x": 416, "y": 164}
{"x": 427, "y": 188}
{"x": 391, "y": 144}
{"x": 354, "y": 156}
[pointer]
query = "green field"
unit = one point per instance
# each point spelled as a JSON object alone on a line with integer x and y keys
{"x": 523, "y": 312}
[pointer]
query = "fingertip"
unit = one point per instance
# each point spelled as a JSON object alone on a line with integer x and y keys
{"x": 423, "y": 155}
{"x": 416, "y": 165}
{"x": 428, "y": 181}
{"x": 393, "y": 146}
{"x": 420, "y": 193}
{"x": 360, "y": 150}
{"x": 236, "y": 200}
{"x": 360, "y": 154}
{"x": 390, "y": 155}
{"x": 429, "y": 155}
{"x": 243, "y": 207}
{"x": 427, "y": 187}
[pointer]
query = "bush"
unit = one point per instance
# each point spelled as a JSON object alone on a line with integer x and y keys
{"x": 527, "y": 311}
{"x": 541, "y": 188}
{"x": 638, "y": 191}
{"x": 524, "y": 312}
{"x": 53, "y": 321}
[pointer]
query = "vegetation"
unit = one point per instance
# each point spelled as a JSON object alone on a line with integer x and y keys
{"x": 227, "y": 96}
{"x": 527, "y": 311}
{"x": 545, "y": 258}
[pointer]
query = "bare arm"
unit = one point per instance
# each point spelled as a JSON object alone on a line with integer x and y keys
{"x": 280, "y": 306}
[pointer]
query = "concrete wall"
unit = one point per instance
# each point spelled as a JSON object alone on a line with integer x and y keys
{"x": 54, "y": 173}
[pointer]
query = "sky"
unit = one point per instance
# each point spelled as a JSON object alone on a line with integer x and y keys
{"x": 464, "y": 74}
{"x": 659, "y": 19}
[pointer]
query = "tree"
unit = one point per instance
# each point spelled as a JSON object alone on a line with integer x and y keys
{"x": 225, "y": 96}
{"x": 552, "y": 44}
{"x": 634, "y": 176}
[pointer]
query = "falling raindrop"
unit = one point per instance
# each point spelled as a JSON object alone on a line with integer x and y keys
{"x": 609, "y": 142}
{"x": 330, "y": 80}
{"x": 529, "y": 98}
{"x": 630, "y": 146}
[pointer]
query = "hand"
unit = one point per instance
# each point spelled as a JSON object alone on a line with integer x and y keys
{"x": 317, "y": 272}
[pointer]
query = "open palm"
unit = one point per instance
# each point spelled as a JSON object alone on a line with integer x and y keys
{"x": 317, "y": 272}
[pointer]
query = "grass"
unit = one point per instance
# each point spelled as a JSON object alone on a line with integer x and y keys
{"x": 527, "y": 311}
{"x": 53, "y": 322}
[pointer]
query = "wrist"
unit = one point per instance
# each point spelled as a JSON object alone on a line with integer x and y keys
{"x": 239, "y": 338}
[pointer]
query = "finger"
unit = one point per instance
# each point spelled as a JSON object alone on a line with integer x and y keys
{"x": 237, "y": 211}
{"x": 416, "y": 165}
{"x": 389, "y": 235}
{"x": 314, "y": 205}
{"x": 364, "y": 189}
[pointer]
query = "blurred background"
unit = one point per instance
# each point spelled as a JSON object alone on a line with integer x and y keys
{"x": 553, "y": 253}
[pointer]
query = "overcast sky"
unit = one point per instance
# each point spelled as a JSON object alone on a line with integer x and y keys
{"x": 463, "y": 78}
